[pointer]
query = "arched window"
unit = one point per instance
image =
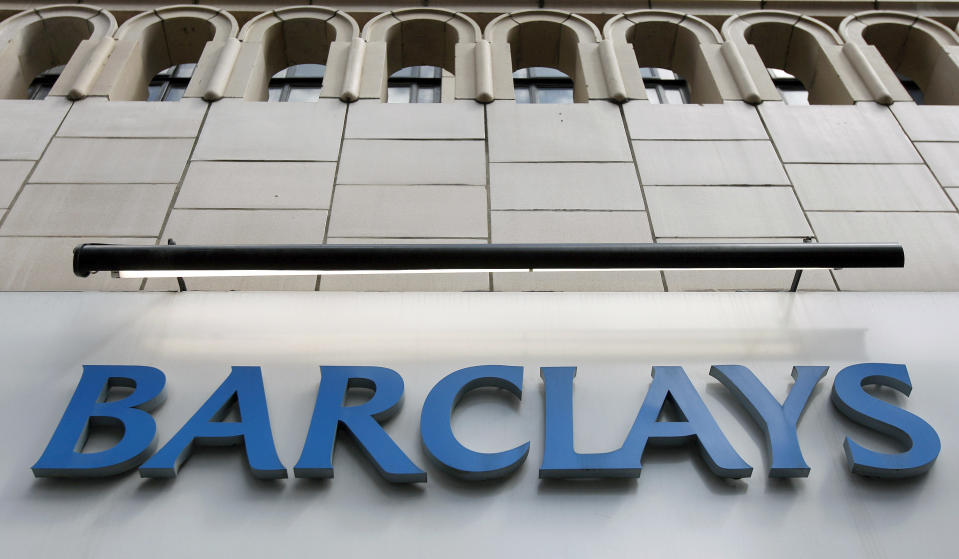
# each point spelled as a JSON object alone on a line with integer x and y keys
{"x": 294, "y": 54}
{"x": 416, "y": 84}
{"x": 39, "y": 46}
{"x": 300, "y": 82}
{"x": 665, "y": 86}
{"x": 803, "y": 54}
{"x": 416, "y": 55}
{"x": 542, "y": 85}
{"x": 170, "y": 53}
{"x": 792, "y": 91}
{"x": 915, "y": 57}
{"x": 545, "y": 51}
{"x": 669, "y": 57}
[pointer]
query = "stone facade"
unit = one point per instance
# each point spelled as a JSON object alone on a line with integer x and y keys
{"x": 93, "y": 162}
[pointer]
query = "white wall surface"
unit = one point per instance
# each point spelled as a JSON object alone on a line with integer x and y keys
{"x": 677, "y": 508}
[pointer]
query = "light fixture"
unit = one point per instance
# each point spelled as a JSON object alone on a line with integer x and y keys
{"x": 138, "y": 261}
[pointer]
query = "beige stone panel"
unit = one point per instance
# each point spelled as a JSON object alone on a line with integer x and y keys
{"x": 134, "y": 119}
{"x": 676, "y": 162}
{"x": 132, "y": 210}
{"x": 577, "y": 281}
{"x": 862, "y": 133}
{"x": 565, "y": 186}
{"x": 373, "y": 119}
{"x": 942, "y": 158}
{"x": 867, "y": 187}
{"x": 408, "y": 211}
{"x": 743, "y": 280}
{"x": 930, "y": 241}
{"x": 34, "y": 122}
{"x": 731, "y": 211}
{"x": 414, "y": 162}
{"x": 106, "y": 160}
{"x": 573, "y": 227}
{"x": 569, "y": 227}
{"x": 405, "y": 282}
{"x": 241, "y": 130}
{"x": 46, "y": 264}
{"x": 246, "y": 227}
{"x": 12, "y": 175}
{"x": 243, "y": 227}
{"x": 729, "y": 121}
{"x": 257, "y": 184}
{"x": 577, "y": 132}
{"x": 934, "y": 123}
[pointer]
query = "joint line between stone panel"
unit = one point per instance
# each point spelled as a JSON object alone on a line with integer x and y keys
{"x": 336, "y": 176}
{"x": 642, "y": 189}
{"x": 179, "y": 185}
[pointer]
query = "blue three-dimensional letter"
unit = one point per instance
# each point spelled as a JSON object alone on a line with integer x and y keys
{"x": 63, "y": 456}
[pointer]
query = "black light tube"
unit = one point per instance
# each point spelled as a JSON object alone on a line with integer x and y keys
{"x": 88, "y": 258}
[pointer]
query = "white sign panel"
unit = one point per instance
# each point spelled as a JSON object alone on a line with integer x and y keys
{"x": 677, "y": 507}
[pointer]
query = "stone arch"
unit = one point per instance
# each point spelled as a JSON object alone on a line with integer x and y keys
{"x": 281, "y": 38}
{"x": 680, "y": 42}
{"x": 35, "y": 40}
{"x": 918, "y": 47}
{"x": 550, "y": 38}
{"x": 158, "y": 39}
{"x": 421, "y": 37}
{"x": 802, "y": 46}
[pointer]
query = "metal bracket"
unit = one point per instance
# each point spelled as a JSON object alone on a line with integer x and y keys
{"x": 179, "y": 281}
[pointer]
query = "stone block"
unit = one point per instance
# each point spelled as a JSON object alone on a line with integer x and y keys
{"x": 861, "y": 133}
{"x": 578, "y": 132}
{"x": 120, "y": 210}
{"x": 930, "y": 241}
{"x": 412, "y": 162}
{"x": 941, "y": 158}
{"x": 242, "y": 130}
{"x": 257, "y": 184}
{"x": 34, "y": 122}
{"x": 107, "y": 160}
{"x": 373, "y": 119}
{"x": 565, "y": 186}
{"x": 744, "y": 280}
{"x": 680, "y": 162}
{"x": 409, "y": 211}
{"x": 46, "y": 264}
{"x": 243, "y": 227}
{"x": 727, "y": 121}
{"x": 97, "y": 117}
{"x": 725, "y": 212}
{"x": 569, "y": 227}
{"x": 12, "y": 175}
{"x": 928, "y": 123}
{"x": 867, "y": 187}
{"x": 573, "y": 227}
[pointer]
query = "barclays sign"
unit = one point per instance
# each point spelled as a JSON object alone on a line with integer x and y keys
{"x": 244, "y": 389}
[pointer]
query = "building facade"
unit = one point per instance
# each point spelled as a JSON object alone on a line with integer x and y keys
{"x": 472, "y": 122}
{"x": 862, "y": 163}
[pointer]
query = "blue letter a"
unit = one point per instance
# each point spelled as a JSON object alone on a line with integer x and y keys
{"x": 244, "y": 388}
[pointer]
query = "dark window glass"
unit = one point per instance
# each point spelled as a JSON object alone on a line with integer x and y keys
{"x": 542, "y": 85}
{"x": 170, "y": 84}
{"x": 665, "y": 86}
{"x": 301, "y": 82}
{"x": 42, "y": 84}
{"x": 913, "y": 89}
{"x": 415, "y": 84}
{"x": 790, "y": 88}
